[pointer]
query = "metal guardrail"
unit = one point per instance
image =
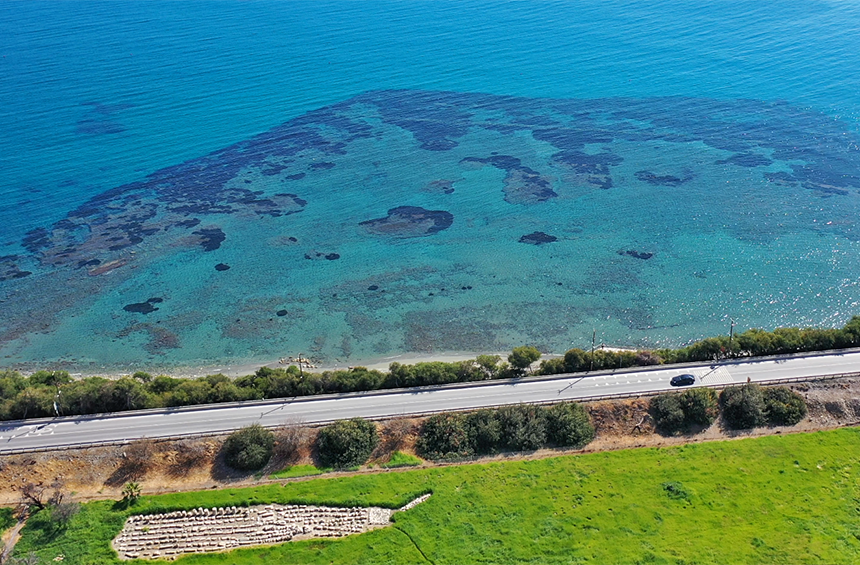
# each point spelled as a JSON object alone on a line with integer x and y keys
{"x": 593, "y": 398}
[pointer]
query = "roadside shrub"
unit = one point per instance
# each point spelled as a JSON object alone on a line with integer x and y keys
{"x": 444, "y": 436}
{"x": 700, "y": 406}
{"x": 489, "y": 365}
{"x": 523, "y": 426}
{"x": 249, "y": 448}
{"x": 569, "y": 425}
{"x": 484, "y": 431}
{"x": 667, "y": 413}
{"x": 522, "y": 357}
{"x": 783, "y": 406}
{"x": 646, "y": 358}
{"x": 552, "y": 366}
{"x": 290, "y": 438}
{"x": 743, "y": 406}
{"x": 347, "y": 443}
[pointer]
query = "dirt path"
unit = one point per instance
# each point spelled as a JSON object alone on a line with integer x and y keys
{"x": 10, "y": 538}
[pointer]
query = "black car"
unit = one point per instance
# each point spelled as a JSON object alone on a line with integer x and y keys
{"x": 683, "y": 380}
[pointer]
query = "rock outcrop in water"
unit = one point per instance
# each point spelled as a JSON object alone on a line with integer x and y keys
{"x": 143, "y": 307}
{"x": 660, "y": 180}
{"x": 409, "y": 221}
{"x": 538, "y": 238}
{"x": 523, "y": 185}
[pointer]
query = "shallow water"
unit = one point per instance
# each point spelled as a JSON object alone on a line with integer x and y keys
{"x": 223, "y": 183}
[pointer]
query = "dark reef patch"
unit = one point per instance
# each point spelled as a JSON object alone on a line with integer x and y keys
{"x": 441, "y": 186}
{"x": 321, "y": 166}
{"x": 281, "y": 313}
{"x": 210, "y": 238}
{"x": 660, "y": 180}
{"x": 637, "y": 254}
{"x": 189, "y": 223}
{"x": 538, "y": 238}
{"x": 782, "y": 178}
{"x": 222, "y": 267}
{"x": 143, "y": 307}
{"x": 9, "y": 269}
{"x": 409, "y": 221}
{"x": 522, "y": 185}
{"x": 313, "y": 255}
{"x": 589, "y": 169}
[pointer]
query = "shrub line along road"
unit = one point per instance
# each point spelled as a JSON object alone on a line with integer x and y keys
{"x": 115, "y": 428}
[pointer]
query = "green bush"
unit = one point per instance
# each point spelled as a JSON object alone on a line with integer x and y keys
{"x": 444, "y": 436}
{"x": 700, "y": 406}
{"x": 783, "y": 406}
{"x": 667, "y": 413}
{"x": 347, "y": 443}
{"x": 249, "y": 448}
{"x": 674, "y": 412}
{"x": 523, "y": 426}
{"x": 484, "y": 431}
{"x": 569, "y": 425}
{"x": 743, "y": 406}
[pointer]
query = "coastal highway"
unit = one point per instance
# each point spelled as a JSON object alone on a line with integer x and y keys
{"x": 113, "y": 428}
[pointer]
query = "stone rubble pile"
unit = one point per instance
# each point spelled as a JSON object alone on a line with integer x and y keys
{"x": 203, "y": 530}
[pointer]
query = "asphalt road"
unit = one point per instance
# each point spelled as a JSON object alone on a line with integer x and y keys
{"x": 61, "y": 432}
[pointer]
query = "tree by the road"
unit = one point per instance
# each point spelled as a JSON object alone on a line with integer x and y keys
{"x": 249, "y": 448}
{"x": 569, "y": 425}
{"x": 522, "y": 357}
{"x": 743, "y": 406}
{"x": 783, "y": 406}
{"x": 347, "y": 443}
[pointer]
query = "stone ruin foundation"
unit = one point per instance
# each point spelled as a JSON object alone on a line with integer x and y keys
{"x": 167, "y": 536}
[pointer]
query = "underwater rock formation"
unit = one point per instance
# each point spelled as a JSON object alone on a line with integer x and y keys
{"x": 538, "y": 238}
{"x": 409, "y": 221}
{"x": 637, "y": 254}
{"x": 523, "y": 185}
{"x": 659, "y": 180}
{"x": 143, "y": 307}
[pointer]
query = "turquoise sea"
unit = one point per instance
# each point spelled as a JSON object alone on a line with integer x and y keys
{"x": 216, "y": 183}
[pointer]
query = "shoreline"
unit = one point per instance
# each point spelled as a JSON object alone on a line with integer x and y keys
{"x": 242, "y": 368}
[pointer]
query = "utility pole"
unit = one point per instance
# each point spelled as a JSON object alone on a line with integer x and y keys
{"x": 593, "y": 338}
{"x": 301, "y": 358}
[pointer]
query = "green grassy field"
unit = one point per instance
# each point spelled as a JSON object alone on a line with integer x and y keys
{"x": 779, "y": 499}
{"x": 400, "y": 459}
{"x": 294, "y": 471}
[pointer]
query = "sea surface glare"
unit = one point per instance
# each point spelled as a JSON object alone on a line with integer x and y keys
{"x": 220, "y": 183}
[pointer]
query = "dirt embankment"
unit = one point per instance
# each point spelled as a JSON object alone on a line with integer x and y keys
{"x": 195, "y": 465}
